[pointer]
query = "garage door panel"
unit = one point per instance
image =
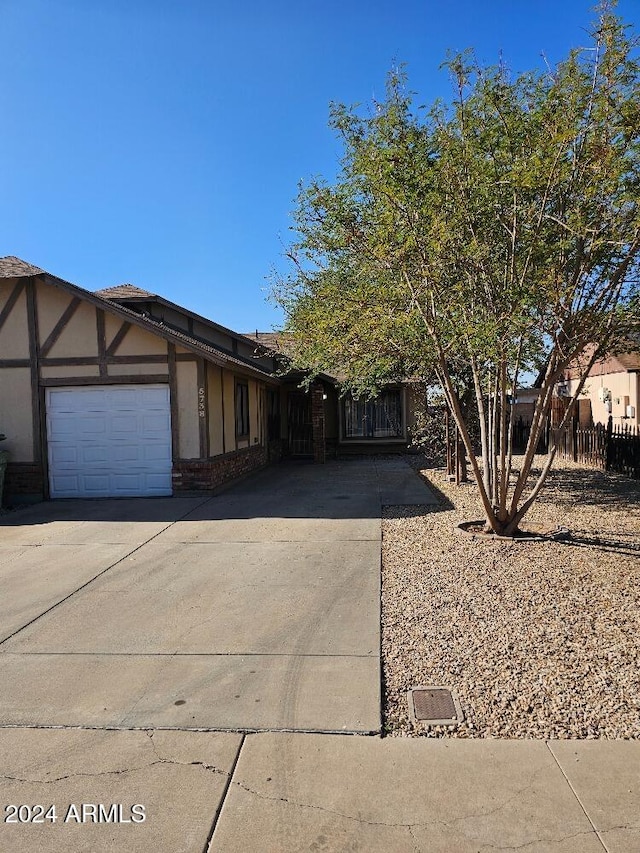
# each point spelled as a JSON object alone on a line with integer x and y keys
{"x": 127, "y": 452}
{"x": 128, "y": 398}
{"x": 124, "y": 424}
{"x": 156, "y": 422}
{"x": 90, "y": 426}
{"x": 65, "y": 484}
{"x": 126, "y": 481}
{"x": 63, "y": 426}
{"x": 156, "y": 452}
{"x": 158, "y": 483}
{"x": 62, "y": 454}
{"x": 93, "y": 454}
{"x": 149, "y": 397}
{"x": 122, "y": 447}
{"x": 95, "y": 483}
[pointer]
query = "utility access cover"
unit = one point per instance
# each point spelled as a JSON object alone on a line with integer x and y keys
{"x": 434, "y": 706}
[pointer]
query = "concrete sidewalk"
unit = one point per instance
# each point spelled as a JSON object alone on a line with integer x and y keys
{"x": 280, "y": 793}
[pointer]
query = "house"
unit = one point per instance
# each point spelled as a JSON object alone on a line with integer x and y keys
{"x": 383, "y": 423}
{"x": 611, "y": 389}
{"x": 122, "y": 392}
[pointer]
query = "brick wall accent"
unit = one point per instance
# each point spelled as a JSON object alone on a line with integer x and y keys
{"x": 317, "y": 421}
{"x": 207, "y": 474}
{"x": 23, "y": 479}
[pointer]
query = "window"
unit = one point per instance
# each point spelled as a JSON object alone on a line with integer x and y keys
{"x": 377, "y": 418}
{"x": 242, "y": 410}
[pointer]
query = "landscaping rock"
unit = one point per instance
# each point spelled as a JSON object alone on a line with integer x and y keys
{"x": 538, "y": 638}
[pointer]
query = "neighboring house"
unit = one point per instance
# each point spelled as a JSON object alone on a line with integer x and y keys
{"x": 122, "y": 393}
{"x": 611, "y": 389}
{"x": 524, "y": 404}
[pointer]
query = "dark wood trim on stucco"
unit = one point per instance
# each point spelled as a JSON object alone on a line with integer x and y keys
{"x": 44, "y": 442}
{"x": 109, "y": 359}
{"x": 118, "y": 338}
{"x": 34, "y": 358}
{"x": 15, "y": 362}
{"x": 203, "y": 408}
{"x": 102, "y": 342}
{"x": 186, "y": 356}
{"x": 11, "y": 301}
{"x": 173, "y": 400}
{"x": 57, "y": 330}
{"x": 145, "y": 379}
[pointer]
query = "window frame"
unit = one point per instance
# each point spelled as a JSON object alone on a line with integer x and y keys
{"x": 241, "y": 410}
{"x": 369, "y": 416}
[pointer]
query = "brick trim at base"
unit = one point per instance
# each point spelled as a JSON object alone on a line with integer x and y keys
{"x": 208, "y": 474}
{"x": 23, "y": 480}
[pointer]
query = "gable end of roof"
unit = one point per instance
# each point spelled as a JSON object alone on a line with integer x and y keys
{"x": 12, "y": 267}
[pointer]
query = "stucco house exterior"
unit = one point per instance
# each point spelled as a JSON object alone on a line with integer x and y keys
{"x": 612, "y": 388}
{"x": 123, "y": 393}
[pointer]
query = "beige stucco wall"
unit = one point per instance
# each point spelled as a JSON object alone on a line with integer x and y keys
{"x": 14, "y": 336}
{"x": 188, "y": 421}
{"x": 79, "y": 337}
{"x": 112, "y": 326}
{"x": 51, "y": 302}
{"x": 621, "y": 386}
{"x": 214, "y": 389}
{"x": 136, "y": 369}
{"x": 139, "y": 342}
{"x": 16, "y": 420}
{"x": 64, "y": 372}
{"x": 229, "y": 410}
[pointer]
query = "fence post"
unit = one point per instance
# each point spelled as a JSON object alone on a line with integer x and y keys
{"x": 447, "y": 439}
{"x": 461, "y": 461}
{"x": 608, "y": 444}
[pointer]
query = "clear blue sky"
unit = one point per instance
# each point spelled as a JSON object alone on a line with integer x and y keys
{"x": 161, "y": 142}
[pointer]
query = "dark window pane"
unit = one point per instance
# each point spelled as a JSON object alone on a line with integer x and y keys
{"x": 242, "y": 409}
{"x": 377, "y": 418}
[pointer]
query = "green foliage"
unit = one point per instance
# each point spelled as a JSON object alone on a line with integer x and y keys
{"x": 494, "y": 234}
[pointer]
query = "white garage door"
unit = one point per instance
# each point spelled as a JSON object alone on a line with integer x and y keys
{"x": 109, "y": 441}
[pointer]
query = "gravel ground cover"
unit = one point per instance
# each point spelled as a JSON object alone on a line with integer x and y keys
{"x": 538, "y": 639}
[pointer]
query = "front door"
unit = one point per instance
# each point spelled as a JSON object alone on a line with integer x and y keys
{"x": 300, "y": 424}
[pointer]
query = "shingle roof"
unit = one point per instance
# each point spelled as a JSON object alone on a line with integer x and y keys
{"x": 12, "y": 267}
{"x": 191, "y": 342}
{"x": 272, "y": 341}
{"x": 123, "y": 291}
{"x": 629, "y": 360}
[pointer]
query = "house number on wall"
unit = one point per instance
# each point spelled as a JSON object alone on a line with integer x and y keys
{"x": 201, "y": 405}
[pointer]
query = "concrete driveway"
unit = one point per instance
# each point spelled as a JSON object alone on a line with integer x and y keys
{"x": 125, "y": 625}
{"x": 257, "y": 609}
